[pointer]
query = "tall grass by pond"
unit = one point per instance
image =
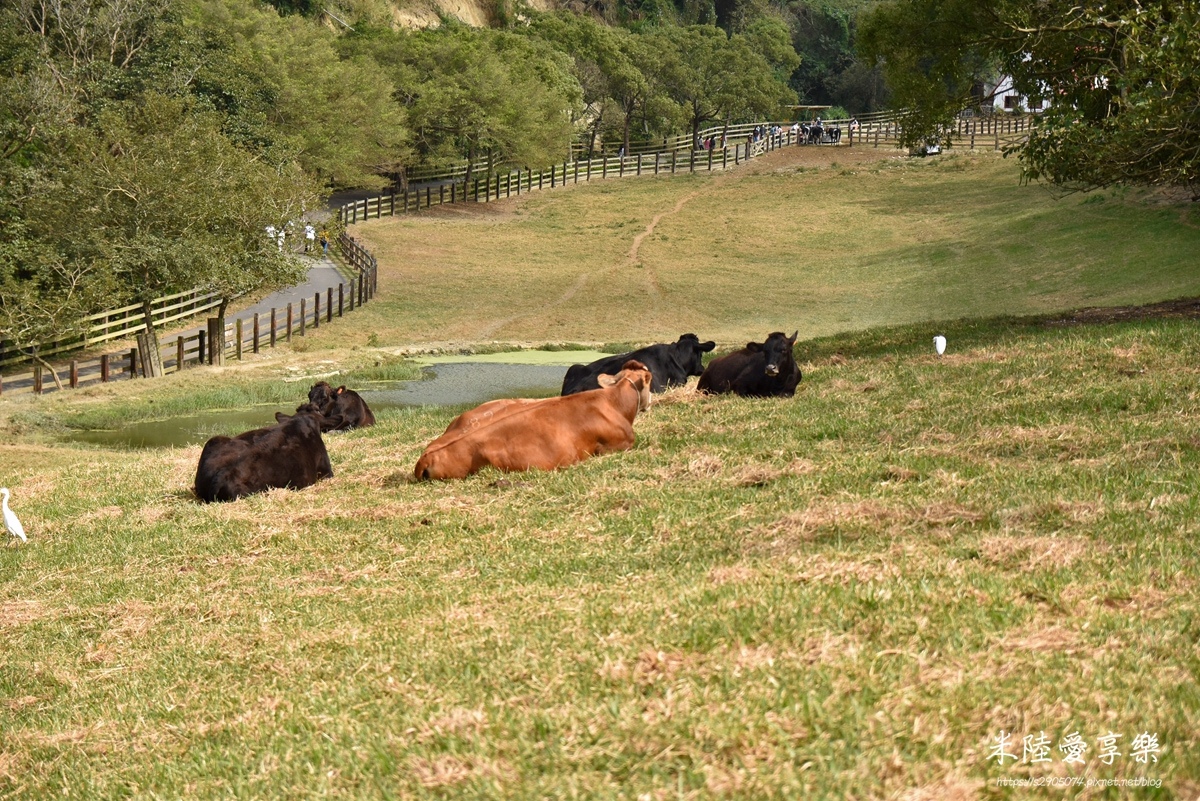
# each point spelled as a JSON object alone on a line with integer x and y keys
{"x": 851, "y": 593}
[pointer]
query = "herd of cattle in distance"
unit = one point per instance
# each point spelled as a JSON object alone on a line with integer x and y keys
{"x": 593, "y": 415}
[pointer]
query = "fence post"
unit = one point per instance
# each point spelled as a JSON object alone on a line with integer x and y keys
{"x": 329, "y": 305}
{"x": 273, "y": 326}
{"x": 692, "y": 161}
{"x": 255, "y": 346}
{"x": 476, "y": 190}
{"x": 428, "y": 189}
{"x": 303, "y": 315}
{"x": 351, "y": 293}
{"x": 288, "y": 333}
{"x": 453, "y": 191}
{"x": 133, "y": 362}
{"x": 341, "y": 286}
{"x": 37, "y": 379}
{"x": 674, "y": 153}
{"x": 317, "y": 310}
{"x": 74, "y": 374}
{"x": 179, "y": 353}
{"x": 237, "y": 334}
{"x": 104, "y": 369}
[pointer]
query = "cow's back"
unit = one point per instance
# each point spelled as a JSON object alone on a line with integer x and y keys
{"x": 290, "y": 454}
{"x": 542, "y": 435}
{"x": 722, "y": 372}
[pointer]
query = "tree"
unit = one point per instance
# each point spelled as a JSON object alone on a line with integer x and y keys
{"x": 720, "y": 77}
{"x": 1120, "y": 78}
{"x": 608, "y": 66}
{"x": 285, "y": 91}
{"x": 487, "y": 95}
{"x": 155, "y": 199}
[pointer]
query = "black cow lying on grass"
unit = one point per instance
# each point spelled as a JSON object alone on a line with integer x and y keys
{"x": 669, "y": 364}
{"x": 288, "y": 454}
{"x": 338, "y": 409}
{"x": 755, "y": 371}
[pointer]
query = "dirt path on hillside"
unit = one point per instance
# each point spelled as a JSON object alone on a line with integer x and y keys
{"x": 784, "y": 159}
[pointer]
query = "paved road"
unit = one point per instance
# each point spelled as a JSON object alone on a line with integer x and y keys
{"x": 322, "y": 274}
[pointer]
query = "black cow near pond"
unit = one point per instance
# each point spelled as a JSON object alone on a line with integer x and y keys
{"x": 339, "y": 409}
{"x": 669, "y": 364}
{"x": 759, "y": 370}
{"x": 289, "y": 454}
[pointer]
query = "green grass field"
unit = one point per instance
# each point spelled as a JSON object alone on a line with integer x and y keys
{"x": 848, "y": 594}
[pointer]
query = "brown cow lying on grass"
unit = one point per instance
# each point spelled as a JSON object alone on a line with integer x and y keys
{"x": 545, "y": 434}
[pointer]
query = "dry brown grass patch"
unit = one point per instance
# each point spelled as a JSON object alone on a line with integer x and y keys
{"x": 823, "y": 514}
{"x": 19, "y": 613}
{"x": 732, "y": 574}
{"x": 823, "y": 569}
{"x": 1032, "y": 552}
{"x": 456, "y": 722}
{"x": 448, "y": 770}
{"x": 951, "y": 787}
{"x": 1053, "y": 638}
{"x": 827, "y": 648}
{"x": 129, "y": 620}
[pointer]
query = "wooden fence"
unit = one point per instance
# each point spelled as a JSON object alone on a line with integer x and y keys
{"x": 676, "y": 156}
{"x": 992, "y": 131}
{"x": 117, "y": 324}
{"x": 497, "y": 186}
{"x": 242, "y": 336}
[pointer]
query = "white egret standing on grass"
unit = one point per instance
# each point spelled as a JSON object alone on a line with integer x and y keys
{"x": 939, "y": 344}
{"x": 10, "y": 519}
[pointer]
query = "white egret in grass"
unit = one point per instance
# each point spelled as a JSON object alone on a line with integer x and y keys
{"x": 10, "y": 519}
{"x": 939, "y": 344}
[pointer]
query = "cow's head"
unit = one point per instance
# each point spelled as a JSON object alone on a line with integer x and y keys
{"x": 321, "y": 394}
{"x": 637, "y": 374}
{"x": 689, "y": 353}
{"x": 777, "y": 351}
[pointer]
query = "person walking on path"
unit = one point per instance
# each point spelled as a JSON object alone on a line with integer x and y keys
{"x": 310, "y": 235}
{"x": 325, "y": 243}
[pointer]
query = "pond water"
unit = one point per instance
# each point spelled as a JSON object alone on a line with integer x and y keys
{"x": 444, "y": 384}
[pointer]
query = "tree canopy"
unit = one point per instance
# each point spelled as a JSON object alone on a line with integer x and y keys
{"x": 1121, "y": 80}
{"x": 146, "y": 144}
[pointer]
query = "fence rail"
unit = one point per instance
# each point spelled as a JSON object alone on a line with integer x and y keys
{"x": 994, "y": 131}
{"x": 241, "y": 336}
{"x": 740, "y": 147}
{"x": 676, "y": 154}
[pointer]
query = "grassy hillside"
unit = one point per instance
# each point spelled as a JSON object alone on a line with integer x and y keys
{"x": 793, "y": 242}
{"x": 850, "y": 593}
